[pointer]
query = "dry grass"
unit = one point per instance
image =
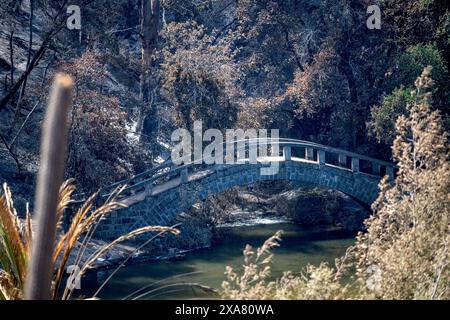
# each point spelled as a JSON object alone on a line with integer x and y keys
{"x": 16, "y": 237}
{"x": 85, "y": 218}
{"x": 252, "y": 284}
{"x": 404, "y": 254}
{"x": 14, "y": 247}
{"x": 91, "y": 260}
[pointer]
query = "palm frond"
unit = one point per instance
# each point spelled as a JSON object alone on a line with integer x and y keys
{"x": 84, "y": 219}
{"x": 65, "y": 197}
{"x": 28, "y": 236}
{"x": 12, "y": 245}
{"x": 8, "y": 287}
{"x": 67, "y": 239}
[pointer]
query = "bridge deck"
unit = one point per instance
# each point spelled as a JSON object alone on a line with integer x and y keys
{"x": 177, "y": 181}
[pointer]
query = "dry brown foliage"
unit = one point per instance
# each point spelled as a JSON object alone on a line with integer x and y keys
{"x": 404, "y": 254}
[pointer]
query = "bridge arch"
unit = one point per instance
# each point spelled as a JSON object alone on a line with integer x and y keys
{"x": 157, "y": 196}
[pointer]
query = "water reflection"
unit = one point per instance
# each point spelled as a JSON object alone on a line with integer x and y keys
{"x": 299, "y": 247}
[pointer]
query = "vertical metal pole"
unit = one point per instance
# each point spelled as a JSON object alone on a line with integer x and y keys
{"x": 51, "y": 174}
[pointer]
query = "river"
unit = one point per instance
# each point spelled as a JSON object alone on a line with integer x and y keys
{"x": 299, "y": 246}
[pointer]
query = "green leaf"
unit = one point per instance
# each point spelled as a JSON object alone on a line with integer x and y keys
{"x": 10, "y": 255}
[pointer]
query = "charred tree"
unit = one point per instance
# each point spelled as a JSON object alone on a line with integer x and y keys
{"x": 149, "y": 20}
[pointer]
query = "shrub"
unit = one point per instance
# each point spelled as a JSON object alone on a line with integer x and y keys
{"x": 99, "y": 151}
{"x": 383, "y": 117}
{"x": 405, "y": 252}
{"x": 408, "y": 238}
{"x": 199, "y": 77}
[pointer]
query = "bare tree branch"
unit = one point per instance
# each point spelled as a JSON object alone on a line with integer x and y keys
{"x": 13, "y": 155}
{"x": 57, "y": 26}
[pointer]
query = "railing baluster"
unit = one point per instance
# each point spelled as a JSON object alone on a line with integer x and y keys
{"x": 184, "y": 174}
{"x": 309, "y": 154}
{"x": 355, "y": 164}
{"x": 390, "y": 172}
{"x": 287, "y": 153}
{"x": 376, "y": 169}
{"x": 148, "y": 189}
{"x": 321, "y": 157}
{"x": 342, "y": 159}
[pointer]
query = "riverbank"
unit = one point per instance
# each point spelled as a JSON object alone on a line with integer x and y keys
{"x": 205, "y": 224}
{"x": 299, "y": 246}
{"x": 131, "y": 251}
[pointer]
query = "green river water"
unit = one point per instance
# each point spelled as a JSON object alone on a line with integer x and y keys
{"x": 299, "y": 247}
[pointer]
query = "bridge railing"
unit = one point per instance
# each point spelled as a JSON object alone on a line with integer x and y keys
{"x": 274, "y": 150}
{"x": 343, "y": 159}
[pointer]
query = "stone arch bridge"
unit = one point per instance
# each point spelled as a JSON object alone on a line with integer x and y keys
{"x": 157, "y": 196}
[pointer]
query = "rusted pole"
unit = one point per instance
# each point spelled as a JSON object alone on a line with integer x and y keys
{"x": 51, "y": 174}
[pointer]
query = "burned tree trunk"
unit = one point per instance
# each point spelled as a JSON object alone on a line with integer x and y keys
{"x": 149, "y": 18}
{"x": 24, "y": 84}
{"x": 11, "y": 57}
{"x": 30, "y": 48}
